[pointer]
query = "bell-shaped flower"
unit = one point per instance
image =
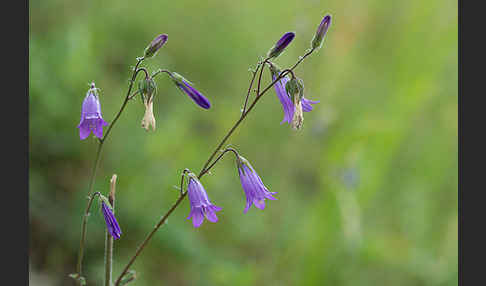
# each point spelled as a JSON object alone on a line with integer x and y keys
{"x": 201, "y": 206}
{"x": 254, "y": 189}
{"x": 285, "y": 100}
{"x": 91, "y": 119}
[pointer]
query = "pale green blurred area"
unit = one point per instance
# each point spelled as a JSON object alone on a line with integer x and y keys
{"x": 367, "y": 190}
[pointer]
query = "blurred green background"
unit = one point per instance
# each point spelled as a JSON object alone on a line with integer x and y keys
{"x": 367, "y": 190}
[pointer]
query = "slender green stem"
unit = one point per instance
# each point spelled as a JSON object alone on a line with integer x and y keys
{"x": 108, "y": 237}
{"x": 83, "y": 232}
{"x": 260, "y": 76}
{"x": 160, "y": 71}
{"x": 203, "y": 170}
{"x": 249, "y": 88}
{"x": 95, "y": 168}
{"x": 219, "y": 158}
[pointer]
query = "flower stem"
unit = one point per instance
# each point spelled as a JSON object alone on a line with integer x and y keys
{"x": 95, "y": 168}
{"x": 83, "y": 232}
{"x": 204, "y": 168}
{"x": 249, "y": 88}
{"x": 108, "y": 237}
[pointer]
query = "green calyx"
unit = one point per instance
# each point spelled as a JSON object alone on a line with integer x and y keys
{"x": 147, "y": 88}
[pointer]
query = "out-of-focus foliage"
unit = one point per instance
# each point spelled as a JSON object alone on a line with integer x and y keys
{"x": 367, "y": 190}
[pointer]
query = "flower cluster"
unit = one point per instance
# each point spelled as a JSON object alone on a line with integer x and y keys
{"x": 253, "y": 187}
{"x": 288, "y": 88}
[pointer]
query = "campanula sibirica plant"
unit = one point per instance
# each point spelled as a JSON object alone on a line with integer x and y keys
{"x": 289, "y": 90}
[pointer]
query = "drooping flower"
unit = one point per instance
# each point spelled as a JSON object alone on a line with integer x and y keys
{"x": 285, "y": 100}
{"x": 152, "y": 49}
{"x": 316, "y": 42}
{"x": 91, "y": 119}
{"x": 254, "y": 189}
{"x": 148, "y": 89}
{"x": 278, "y": 48}
{"x": 111, "y": 223}
{"x": 148, "y": 118}
{"x": 184, "y": 85}
{"x": 201, "y": 206}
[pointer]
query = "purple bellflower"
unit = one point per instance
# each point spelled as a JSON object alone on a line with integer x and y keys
{"x": 254, "y": 189}
{"x": 201, "y": 206}
{"x": 285, "y": 100}
{"x": 111, "y": 223}
{"x": 278, "y": 48}
{"x": 91, "y": 119}
{"x": 185, "y": 85}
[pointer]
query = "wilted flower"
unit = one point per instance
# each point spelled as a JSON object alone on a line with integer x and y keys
{"x": 155, "y": 45}
{"x": 148, "y": 118}
{"x": 111, "y": 223}
{"x": 278, "y": 48}
{"x": 201, "y": 206}
{"x": 321, "y": 32}
{"x": 91, "y": 119}
{"x": 285, "y": 100}
{"x": 184, "y": 85}
{"x": 255, "y": 190}
{"x": 298, "y": 118}
{"x": 148, "y": 90}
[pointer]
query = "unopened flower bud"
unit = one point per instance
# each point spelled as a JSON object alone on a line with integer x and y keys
{"x": 278, "y": 48}
{"x": 321, "y": 32}
{"x": 186, "y": 86}
{"x": 155, "y": 45}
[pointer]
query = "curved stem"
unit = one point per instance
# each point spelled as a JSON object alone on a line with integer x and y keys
{"x": 203, "y": 171}
{"x": 160, "y": 71}
{"x": 108, "y": 237}
{"x": 249, "y": 88}
{"x": 83, "y": 229}
{"x": 260, "y": 77}
{"x": 219, "y": 158}
{"x": 135, "y": 72}
{"x": 95, "y": 168}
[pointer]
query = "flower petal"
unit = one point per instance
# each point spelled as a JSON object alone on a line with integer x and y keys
{"x": 84, "y": 130}
{"x": 306, "y": 104}
{"x": 197, "y": 218}
{"x": 259, "y": 204}
{"x": 210, "y": 215}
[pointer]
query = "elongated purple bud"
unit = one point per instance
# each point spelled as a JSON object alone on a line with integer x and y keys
{"x": 155, "y": 45}
{"x": 186, "y": 86}
{"x": 278, "y": 48}
{"x": 321, "y": 32}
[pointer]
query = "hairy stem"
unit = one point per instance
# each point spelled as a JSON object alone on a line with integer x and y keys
{"x": 219, "y": 157}
{"x": 249, "y": 88}
{"x": 205, "y": 167}
{"x": 108, "y": 237}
